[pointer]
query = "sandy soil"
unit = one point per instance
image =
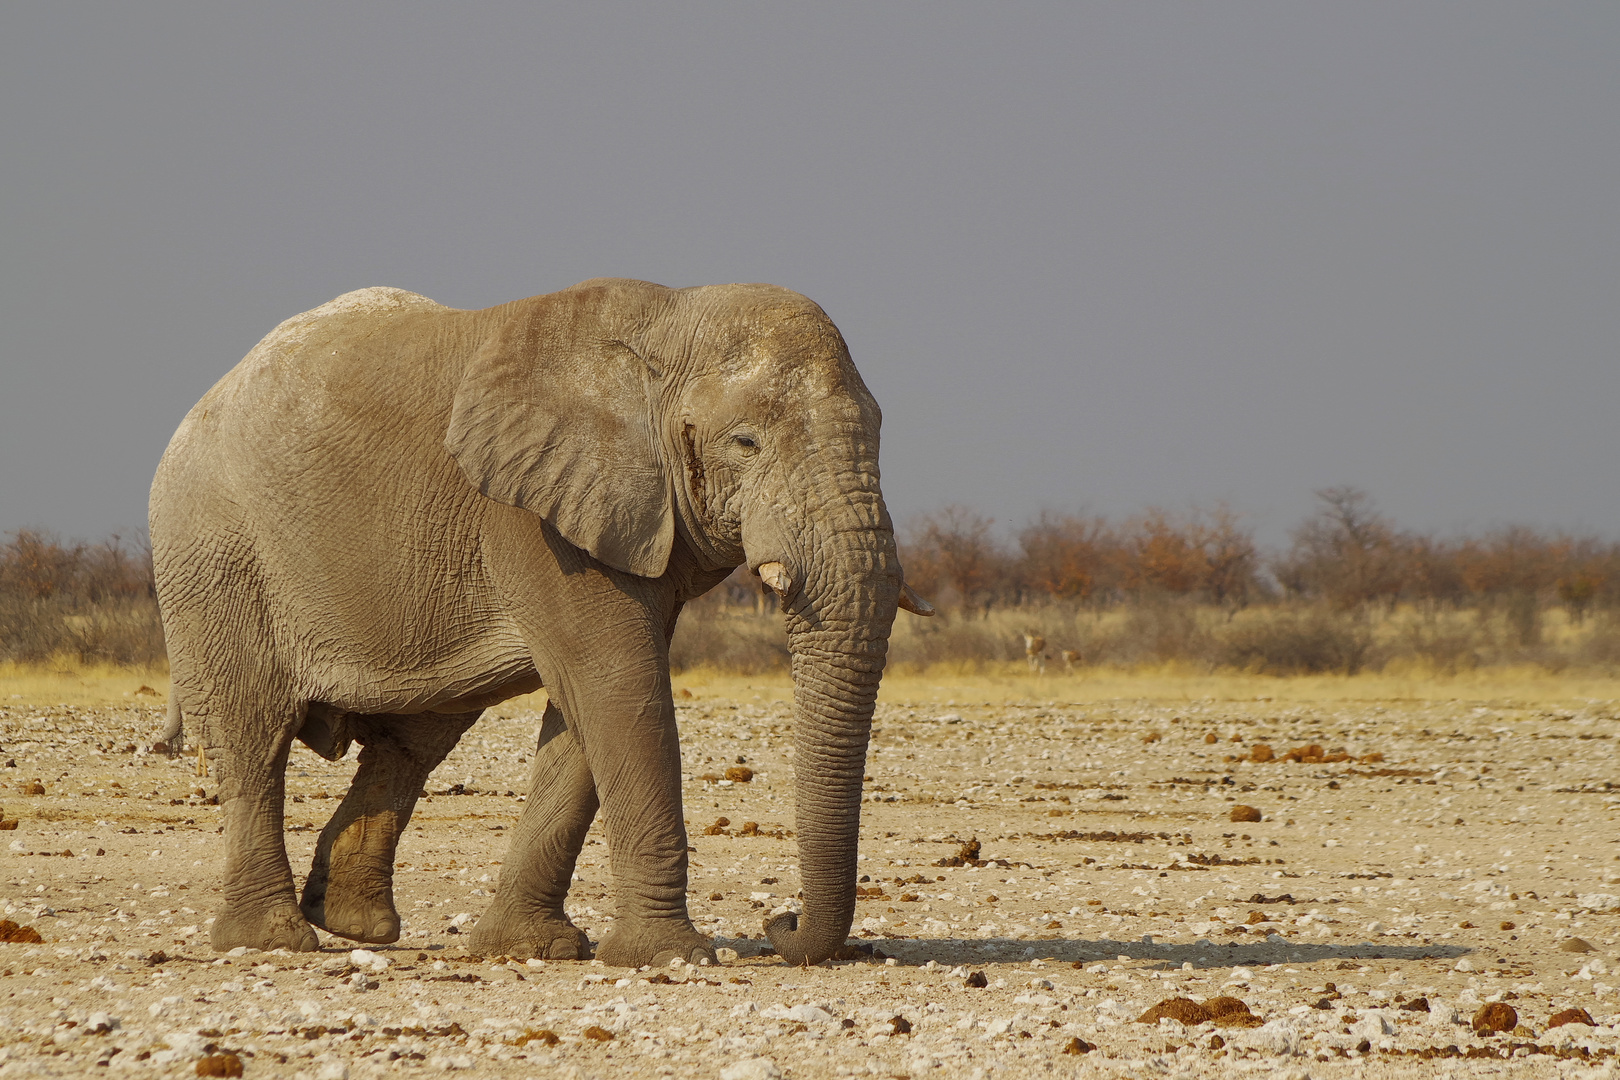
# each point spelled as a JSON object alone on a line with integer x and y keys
{"x": 1458, "y": 869}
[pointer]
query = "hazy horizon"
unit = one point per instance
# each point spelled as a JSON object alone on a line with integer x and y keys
{"x": 1088, "y": 257}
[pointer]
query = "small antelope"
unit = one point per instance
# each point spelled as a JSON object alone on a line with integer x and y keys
{"x": 1035, "y": 652}
{"x": 1071, "y": 659}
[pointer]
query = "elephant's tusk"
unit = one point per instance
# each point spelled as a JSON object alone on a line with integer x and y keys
{"x": 914, "y": 603}
{"x": 775, "y": 575}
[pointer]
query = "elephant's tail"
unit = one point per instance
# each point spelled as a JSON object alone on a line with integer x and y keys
{"x": 173, "y": 739}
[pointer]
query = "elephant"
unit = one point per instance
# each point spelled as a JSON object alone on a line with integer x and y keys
{"x": 392, "y": 515}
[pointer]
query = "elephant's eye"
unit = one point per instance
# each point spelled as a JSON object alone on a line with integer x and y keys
{"x": 747, "y": 442}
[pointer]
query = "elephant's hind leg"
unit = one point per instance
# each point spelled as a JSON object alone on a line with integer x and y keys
{"x": 350, "y": 890}
{"x": 527, "y": 917}
{"x": 260, "y": 908}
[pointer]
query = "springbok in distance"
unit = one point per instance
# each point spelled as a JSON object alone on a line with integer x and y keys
{"x": 1071, "y": 658}
{"x": 1035, "y": 652}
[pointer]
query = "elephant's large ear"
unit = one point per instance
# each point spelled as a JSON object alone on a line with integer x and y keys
{"x": 555, "y": 414}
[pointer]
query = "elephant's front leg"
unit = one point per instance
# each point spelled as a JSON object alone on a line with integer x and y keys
{"x": 350, "y": 891}
{"x": 633, "y": 752}
{"x": 527, "y": 917}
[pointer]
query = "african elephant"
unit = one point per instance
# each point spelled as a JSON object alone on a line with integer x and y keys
{"x": 393, "y": 514}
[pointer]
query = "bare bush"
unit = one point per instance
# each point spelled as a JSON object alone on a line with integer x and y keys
{"x": 92, "y": 602}
{"x": 1157, "y": 628}
{"x": 1296, "y": 641}
{"x": 733, "y": 627}
{"x": 1601, "y": 648}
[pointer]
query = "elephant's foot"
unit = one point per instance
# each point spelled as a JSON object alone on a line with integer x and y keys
{"x": 357, "y": 914}
{"x": 543, "y": 936}
{"x": 281, "y": 926}
{"x": 634, "y": 942}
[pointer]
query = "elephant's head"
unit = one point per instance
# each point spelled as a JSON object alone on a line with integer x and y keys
{"x": 625, "y": 413}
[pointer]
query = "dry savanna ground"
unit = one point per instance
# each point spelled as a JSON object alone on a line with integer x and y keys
{"x": 1044, "y": 861}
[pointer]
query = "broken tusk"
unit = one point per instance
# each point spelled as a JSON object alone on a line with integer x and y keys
{"x": 914, "y": 603}
{"x": 775, "y": 575}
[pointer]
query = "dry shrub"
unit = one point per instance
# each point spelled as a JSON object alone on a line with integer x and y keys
{"x": 953, "y": 640}
{"x": 1157, "y": 629}
{"x": 1306, "y": 641}
{"x": 1442, "y": 646}
{"x": 89, "y": 602}
{"x": 741, "y": 642}
{"x": 1601, "y": 647}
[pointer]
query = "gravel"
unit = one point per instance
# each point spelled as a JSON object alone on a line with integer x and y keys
{"x": 1108, "y": 876}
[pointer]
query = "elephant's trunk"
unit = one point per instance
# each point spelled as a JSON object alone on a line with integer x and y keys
{"x": 838, "y": 635}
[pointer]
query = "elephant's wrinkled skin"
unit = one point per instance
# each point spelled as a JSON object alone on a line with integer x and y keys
{"x": 393, "y": 514}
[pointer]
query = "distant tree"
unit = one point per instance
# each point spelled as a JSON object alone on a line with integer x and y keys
{"x": 952, "y": 555}
{"x": 1231, "y": 559}
{"x": 34, "y": 564}
{"x": 1345, "y": 553}
{"x": 1068, "y": 558}
{"x": 37, "y": 565}
{"x": 1165, "y": 555}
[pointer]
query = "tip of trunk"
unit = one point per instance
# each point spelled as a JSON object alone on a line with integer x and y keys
{"x": 802, "y": 946}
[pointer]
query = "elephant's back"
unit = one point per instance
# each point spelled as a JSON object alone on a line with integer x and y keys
{"x": 334, "y": 320}
{"x": 309, "y": 373}
{"x": 307, "y": 355}
{"x": 345, "y": 388}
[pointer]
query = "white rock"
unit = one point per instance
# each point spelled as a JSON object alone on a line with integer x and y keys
{"x": 185, "y": 1043}
{"x": 917, "y": 1059}
{"x": 452, "y": 1061}
{"x": 809, "y": 1014}
{"x": 751, "y": 1069}
{"x": 1279, "y": 1037}
{"x": 365, "y": 959}
{"x": 1374, "y": 1024}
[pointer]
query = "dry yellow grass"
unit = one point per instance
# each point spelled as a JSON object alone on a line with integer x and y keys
{"x": 1175, "y": 683}
{"x": 68, "y": 682}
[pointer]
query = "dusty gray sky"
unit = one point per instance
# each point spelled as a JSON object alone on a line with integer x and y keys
{"x": 1087, "y": 256}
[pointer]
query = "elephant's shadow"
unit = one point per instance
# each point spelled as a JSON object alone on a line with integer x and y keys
{"x": 955, "y": 951}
